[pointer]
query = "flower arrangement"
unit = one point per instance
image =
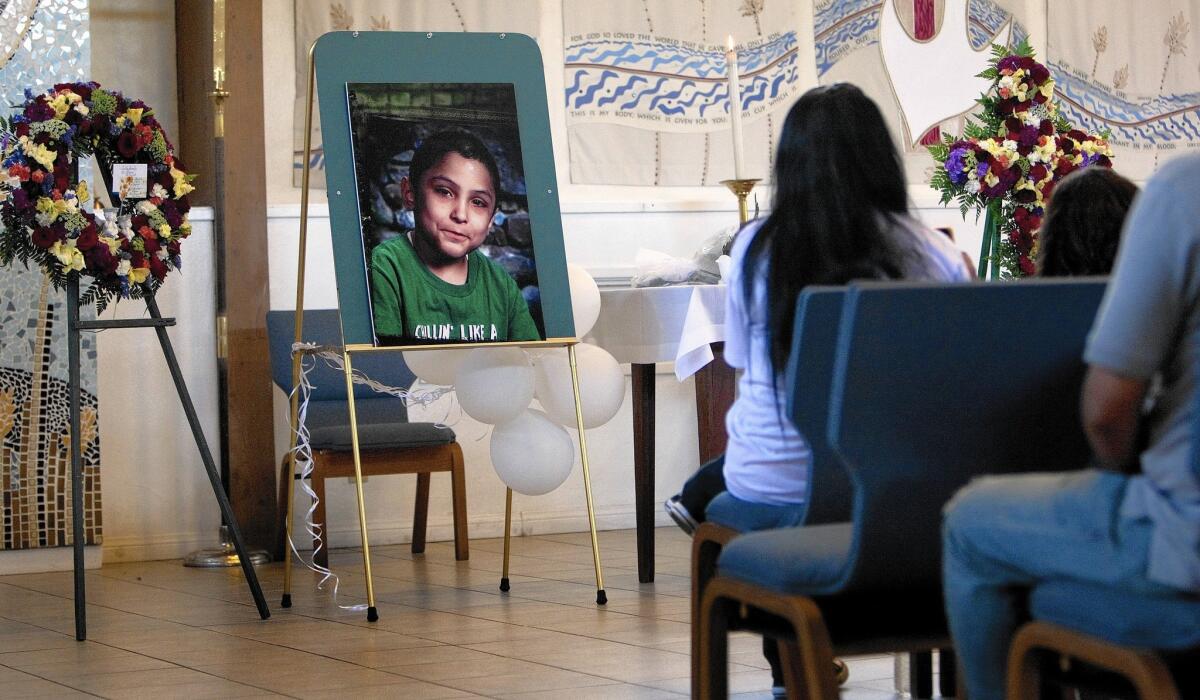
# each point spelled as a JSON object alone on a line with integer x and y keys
{"x": 1009, "y": 159}
{"x": 44, "y": 206}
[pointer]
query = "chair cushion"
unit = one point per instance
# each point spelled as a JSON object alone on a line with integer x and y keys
{"x": 734, "y": 513}
{"x": 1158, "y": 622}
{"x": 380, "y": 436}
{"x": 807, "y": 560}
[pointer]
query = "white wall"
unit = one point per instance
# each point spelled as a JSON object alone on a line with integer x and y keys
{"x": 157, "y": 501}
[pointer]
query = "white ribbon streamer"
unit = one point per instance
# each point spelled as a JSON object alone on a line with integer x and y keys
{"x": 303, "y": 450}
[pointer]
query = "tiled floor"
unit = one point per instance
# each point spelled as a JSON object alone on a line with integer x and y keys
{"x": 157, "y": 629}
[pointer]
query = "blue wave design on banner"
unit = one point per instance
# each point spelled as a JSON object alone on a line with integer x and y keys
{"x": 670, "y": 80}
{"x": 1094, "y": 107}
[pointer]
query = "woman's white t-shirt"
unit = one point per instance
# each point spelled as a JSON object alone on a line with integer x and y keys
{"x": 766, "y": 459}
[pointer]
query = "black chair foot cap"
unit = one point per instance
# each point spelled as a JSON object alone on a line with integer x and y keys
{"x": 601, "y": 597}
{"x": 504, "y": 584}
{"x": 287, "y": 601}
{"x": 372, "y": 614}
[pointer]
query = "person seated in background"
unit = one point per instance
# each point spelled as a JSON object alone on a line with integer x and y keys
{"x": 828, "y": 225}
{"x": 1083, "y": 222}
{"x": 1133, "y": 522}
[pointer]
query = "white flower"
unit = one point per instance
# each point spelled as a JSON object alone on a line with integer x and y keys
{"x": 158, "y": 191}
{"x": 145, "y": 206}
{"x": 123, "y": 268}
{"x": 162, "y": 254}
{"x": 110, "y": 228}
{"x": 45, "y": 219}
{"x": 1010, "y": 145}
{"x": 972, "y": 186}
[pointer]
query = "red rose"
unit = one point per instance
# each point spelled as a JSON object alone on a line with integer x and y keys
{"x": 136, "y": 259}
{"x": 151, "y": 245}
{"x": 1037, "y": 173}
{"x": 1038, "y": 73}
{"x": 138, "y": 221}
{"x": 173, "y": 247}
{"x": 1046, "y": 128}
{"x": 158, "y": 268}
{"x": 127, "y": 144}
{"x": 87, "y": 238}
{"x": 21, "y": 129}
{"x": 1077, "y": 135}
{"x": 1027, "y": 266}
{"x": 44, "y": 237}
{"x": 1013, "y": 124}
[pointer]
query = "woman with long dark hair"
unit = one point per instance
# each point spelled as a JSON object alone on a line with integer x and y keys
{"x": 840, "y": 213}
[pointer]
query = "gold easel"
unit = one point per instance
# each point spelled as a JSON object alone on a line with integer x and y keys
{"x": 347, "y": 352}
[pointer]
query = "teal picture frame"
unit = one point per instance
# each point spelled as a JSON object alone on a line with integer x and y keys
{"x": 343, "y": 58}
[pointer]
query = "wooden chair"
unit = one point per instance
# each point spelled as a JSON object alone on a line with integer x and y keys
{"x": 389, "y": 443}
{"x": 933, "y": 385}
{"x": 810, "y": 365}
{"x": 1110, "y": 642}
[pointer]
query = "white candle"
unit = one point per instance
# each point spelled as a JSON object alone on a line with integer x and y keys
{"x": 735, "y": 109}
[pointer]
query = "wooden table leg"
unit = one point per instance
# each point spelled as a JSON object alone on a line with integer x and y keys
{"x": 642, "y": 376}
{"x": 715, "y": 387}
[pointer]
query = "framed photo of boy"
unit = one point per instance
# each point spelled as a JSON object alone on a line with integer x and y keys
{"x": 442, "y": 204}
{"x": 444, "y": 214}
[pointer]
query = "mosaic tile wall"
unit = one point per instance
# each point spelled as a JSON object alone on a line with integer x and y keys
{"x": 42, "y": 43}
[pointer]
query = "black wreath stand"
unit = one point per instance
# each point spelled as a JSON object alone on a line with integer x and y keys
{"x": 156, "y": 321}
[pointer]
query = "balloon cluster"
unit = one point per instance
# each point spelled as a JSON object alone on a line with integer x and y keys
{"x": 531, "y": 450}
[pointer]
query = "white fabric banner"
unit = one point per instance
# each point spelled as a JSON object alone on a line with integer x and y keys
{"x": 895, "y": 50}
{"x": 316, "y": 17}
{"x": 1125, "y": 66}
{"x": 647, "y": 94}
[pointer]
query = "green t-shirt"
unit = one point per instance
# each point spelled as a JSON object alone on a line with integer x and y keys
{"x": 412, "y": 304}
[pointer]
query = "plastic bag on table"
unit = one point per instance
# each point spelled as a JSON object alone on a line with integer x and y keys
{"x": 657, "y": 269}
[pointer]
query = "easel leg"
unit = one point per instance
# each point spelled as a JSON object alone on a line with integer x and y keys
{"x": 77, "y": 514}
{"x": 214, "y": 477}
{"x": 504, "y": 586}
{"x": 601, "y": 596}
{"x": 295, "y": 402}
{"x": 286, "y": 601}
{"x": 372, "y": 613}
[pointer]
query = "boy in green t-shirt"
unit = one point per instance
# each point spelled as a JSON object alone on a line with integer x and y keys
{"x": 432, "y": 285}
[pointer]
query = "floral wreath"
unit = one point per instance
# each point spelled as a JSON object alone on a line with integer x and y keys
{"x": 44, "y": 205}
{"x": 1009, "y": 159}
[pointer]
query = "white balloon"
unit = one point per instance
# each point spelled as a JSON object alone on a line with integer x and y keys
{"x": 585, "y": 299}
{"x": 434, "y": 366}
{"x": 532, "y": 455}
{"x": 601, "y": 385}
{"x": 494, "y": 385}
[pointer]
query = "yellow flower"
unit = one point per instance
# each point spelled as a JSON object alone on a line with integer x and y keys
{"x": 138, "y": 275}
{"x": 44, "y": 156}
{"x": 81, "y": 192}
{"x": 61, "y": 105}
{"x": 70, "y": 256}
{"x": 164, "y": 232}
{"x": 46, "y": 206}
{"x": 114, "y": 244}
{"x": 134, "y": 114}
{"x": 182, "y": 186}
{"x": 1047, "y": 88}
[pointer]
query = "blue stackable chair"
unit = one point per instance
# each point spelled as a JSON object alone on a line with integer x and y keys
{"x": 388, "y": 442}
{"x": 1115, "y": 643}
{"x": 810, "y": 366}
{"x": 934, "y": 384}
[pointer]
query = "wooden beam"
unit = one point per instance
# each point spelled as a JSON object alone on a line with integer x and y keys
{"x": 247, "y": 450}
{"x": 193, "y": 67}
{"x": 251, "y": 442}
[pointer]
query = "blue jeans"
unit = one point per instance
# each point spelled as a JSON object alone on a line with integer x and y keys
{"x": 1003, "y": 534}
{"x": 744, "y": 516}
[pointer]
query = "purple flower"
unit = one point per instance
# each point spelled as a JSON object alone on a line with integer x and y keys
{"x": 956, "y": 164}
{"x": 1010, "y": 63}
{"x": 1089, "y": 159}
{"x": 20, "y": 199}
{"x": 981, "y": 171}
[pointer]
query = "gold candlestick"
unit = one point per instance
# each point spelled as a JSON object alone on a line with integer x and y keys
{"x": 741, "y": 188}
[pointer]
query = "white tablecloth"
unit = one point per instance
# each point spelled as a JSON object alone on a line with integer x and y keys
{"x": 662, "y": 324}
